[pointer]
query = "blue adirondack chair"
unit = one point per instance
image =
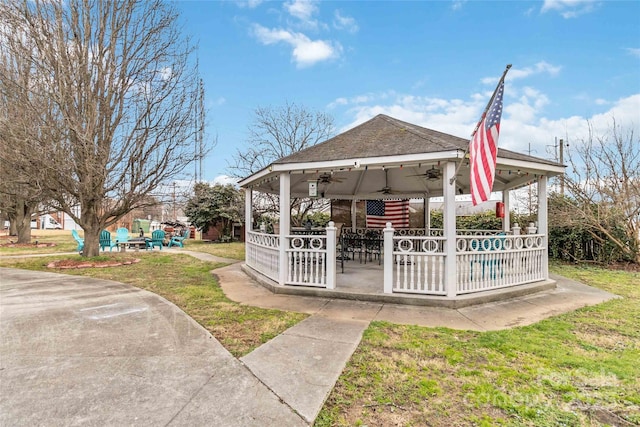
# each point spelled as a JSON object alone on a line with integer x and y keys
{"x": 122, "y": 235}
{"x": 157, "y": 239}
{"x": 79, "y": 239}
{"x": 491, "y": 265}
{"x": 105, "y": 240}
{"x": 179, "y": 240}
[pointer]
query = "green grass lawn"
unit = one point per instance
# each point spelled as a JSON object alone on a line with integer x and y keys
{"x": 188, "y": 283}
{"x": 233, "y": 250}
{"x": 580, "y": 368}
{"x": 62, "y": 240}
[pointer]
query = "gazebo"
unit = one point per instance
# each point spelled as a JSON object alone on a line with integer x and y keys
{"x": 382, "y": 159}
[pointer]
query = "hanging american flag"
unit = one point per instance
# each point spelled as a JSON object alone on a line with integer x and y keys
{"x": 484, "y": 148}
{"x": 379, "y": 212}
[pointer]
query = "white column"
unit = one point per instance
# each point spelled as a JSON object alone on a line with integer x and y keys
{"x": 449, "y": 225}
{"x": 427, "y": 214}
{"x": 388, "y": 259}
{"x": 506, "y": 221}
{"x": 543, "y": 223}
{"x": 331, "y": 255}
{"x": 248, "y": 218}
{"x": 353, "y": 214}
{"x": 248, "y": 212}
{"x": 285, "y": 221}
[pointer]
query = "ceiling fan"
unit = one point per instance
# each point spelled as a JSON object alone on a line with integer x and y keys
{"x": 328, "y": 178}
{"x": 432, "y": 174}
{"x": 386, "y": 189}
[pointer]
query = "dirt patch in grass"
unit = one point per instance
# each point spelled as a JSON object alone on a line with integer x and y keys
{"x": 27, "y": 245}
{"x": 624, "y": 266}
{"x": 604, "y": 416}
{"x": 64, "y": 264}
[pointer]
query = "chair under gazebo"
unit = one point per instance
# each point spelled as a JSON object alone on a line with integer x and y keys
{"x": 384, "y": 159}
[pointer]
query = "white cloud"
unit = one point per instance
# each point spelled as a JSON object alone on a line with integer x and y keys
{"x": 338, "y": 101}
{"x": 452, "y": 116}
{"x": 457, "y": 4}
{"x": 301, "y": 9}
{"x": 306, "y": 52}
{"x": 304, "y": 10}
{"x": 515, "y": 135}
{"x": 568, "y": 8}
{"x": 251, "y": 4}
{"x": 224, "y": 180}
{"x": 358, "y": 99}
{"x": 633, "y": 51}
{"x": 221, "y": 100}
{"x": 345, "y": 22}
{"x": 166, "y": 73}
{"x": 523, "y": 120}
{"x": 514, "y": 73}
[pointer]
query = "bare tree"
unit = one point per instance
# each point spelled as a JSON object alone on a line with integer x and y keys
{"x": 125, "y": 90}
{"x": 20, "y": 194}
{"x": 275, "y": 133}
{"x": 603, "y": 184}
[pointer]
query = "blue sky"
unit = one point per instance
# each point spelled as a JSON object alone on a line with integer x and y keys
{"x": 432, "y": 63}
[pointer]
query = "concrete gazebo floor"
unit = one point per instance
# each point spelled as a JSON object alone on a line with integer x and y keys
{"x": 511, "y": 310}
{"x": 363, "y": 282}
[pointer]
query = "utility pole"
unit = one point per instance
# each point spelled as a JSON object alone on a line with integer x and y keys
{"x": 562, "y": 163}
{"x": 530, "y": 201}
{"x": 201, "y": 129}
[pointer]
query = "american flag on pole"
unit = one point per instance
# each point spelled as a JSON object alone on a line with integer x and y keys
{"x": 379, "y": 212}
{"x": 483, "y": 150}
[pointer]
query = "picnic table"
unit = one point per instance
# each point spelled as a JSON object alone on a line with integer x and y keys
{"x": 137, "y": 243}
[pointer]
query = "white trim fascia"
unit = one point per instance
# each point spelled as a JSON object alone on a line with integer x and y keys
{"x": 254, "y": 177}
{"x": 529, "y": 166}
{"x": 369, "y": 196}
{"x": 391, "y": 161}
{"x": 376, "y": 162}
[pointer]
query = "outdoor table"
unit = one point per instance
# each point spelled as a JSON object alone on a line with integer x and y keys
{"x": 370, "y": 246}
{"x": 137, "y": 243}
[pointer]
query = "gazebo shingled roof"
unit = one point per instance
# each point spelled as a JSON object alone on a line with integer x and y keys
{"x": 387, "y": 153}
{"x": 386, "y": 136}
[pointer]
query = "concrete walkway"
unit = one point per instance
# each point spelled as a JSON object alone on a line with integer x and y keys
{"x": 302, "y": 364}
{"x": 56, "y": 337}
{"x": 82, "y": 351}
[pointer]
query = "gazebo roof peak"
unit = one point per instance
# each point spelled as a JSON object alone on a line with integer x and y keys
{"x": 380, "y": 136}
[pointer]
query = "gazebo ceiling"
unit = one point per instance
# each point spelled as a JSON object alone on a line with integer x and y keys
{"x": 388, "y": 158}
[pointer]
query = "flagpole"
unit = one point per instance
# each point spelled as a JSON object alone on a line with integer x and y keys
{"x": 484, "y": 113}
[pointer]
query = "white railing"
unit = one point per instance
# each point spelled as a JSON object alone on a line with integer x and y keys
{"x": 485, "y": 263}
{"x": 418, "y": 262}
{"x": 263, "y": 253}
{"x": 473, "y": 232}
{"x": 439, "y": 232}
{"x": 434, "y": 232}
{"x": 401, "y": 231}
{"x": 307, "y": 260}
